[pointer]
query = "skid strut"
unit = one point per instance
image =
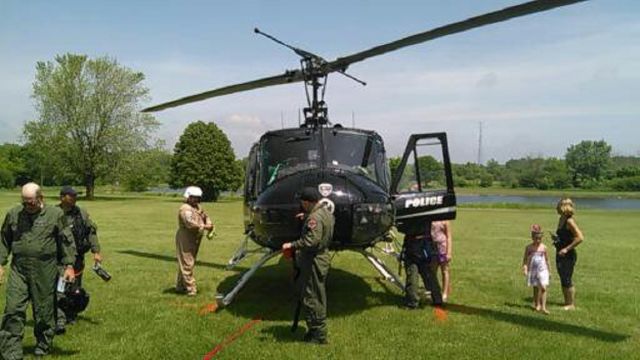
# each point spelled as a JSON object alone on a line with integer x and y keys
{"x": 383, "y": 269}
{"x": 224, "y": 300}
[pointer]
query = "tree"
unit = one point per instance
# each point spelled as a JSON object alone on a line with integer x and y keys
{"x": 588, "y": 161}
{"x": 431, "y": 172}
{"x": 46, "y": 166}
{"x": 145, "y": 168}
{"x": 12, "y": 165}
{"x": 394, "y": 164}
{"x": 88, "y": 115}
{"x": 495, "y": 169}
{"x": 203, "y": 156}
{"x": 557, "y": 172}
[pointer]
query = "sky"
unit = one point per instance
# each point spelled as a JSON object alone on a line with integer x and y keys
{"x": 535, "y": 84}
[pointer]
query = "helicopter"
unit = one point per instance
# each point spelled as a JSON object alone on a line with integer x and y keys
{"x": 348, "y": 166}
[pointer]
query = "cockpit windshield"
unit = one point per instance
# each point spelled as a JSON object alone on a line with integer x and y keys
{"x": 357, "y": 152}
{"x": 285, "y": 154}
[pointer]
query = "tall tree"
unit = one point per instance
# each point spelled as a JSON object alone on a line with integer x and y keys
{"x": 588, "y": 161}
{"x": 88, "y": 114}
{"x": 144, "y": 169}
{"x": 12, "y": 165}
{"x": 203, "y": 156}
{"x": 431, "y": 172}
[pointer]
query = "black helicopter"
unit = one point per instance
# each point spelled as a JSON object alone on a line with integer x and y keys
{"x": 348, "y": 166}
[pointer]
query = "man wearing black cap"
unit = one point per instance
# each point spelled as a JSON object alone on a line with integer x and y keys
{"x": 312, "y": 257}
{"x": 85, "y": 235}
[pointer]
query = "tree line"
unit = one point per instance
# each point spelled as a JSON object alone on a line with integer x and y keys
{"x": 586, "y": 165}
{"x": 90, "y": 131}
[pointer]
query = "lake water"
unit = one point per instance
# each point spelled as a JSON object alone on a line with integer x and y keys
{"x": 551, "y": 201}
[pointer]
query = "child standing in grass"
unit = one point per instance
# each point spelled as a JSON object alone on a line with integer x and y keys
{"x": 535, "y": 266}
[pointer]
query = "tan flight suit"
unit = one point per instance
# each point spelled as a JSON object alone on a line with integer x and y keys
{"x": 191, "y": 222}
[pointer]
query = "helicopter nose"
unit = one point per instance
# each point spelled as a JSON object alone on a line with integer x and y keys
{"x": 371, "y": 219}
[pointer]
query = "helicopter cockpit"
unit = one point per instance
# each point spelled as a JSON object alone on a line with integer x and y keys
{"x": 291, "y": 151}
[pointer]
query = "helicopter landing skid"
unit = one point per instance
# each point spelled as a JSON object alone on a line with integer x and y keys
{"x": 224, "y": 300}
{"x": 383, "y": 269}
{"x": 241, "y": 253}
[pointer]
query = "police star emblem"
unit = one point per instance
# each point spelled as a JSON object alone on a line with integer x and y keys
{"x": 325, "y": 189}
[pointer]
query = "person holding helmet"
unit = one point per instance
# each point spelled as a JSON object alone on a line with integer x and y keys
{"x": 85, "y": 236}
{"x": 39, "y": 240}
{"x": 192, "y": 223}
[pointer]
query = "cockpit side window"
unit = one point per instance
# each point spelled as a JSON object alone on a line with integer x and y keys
{"x": 252, "y": 175}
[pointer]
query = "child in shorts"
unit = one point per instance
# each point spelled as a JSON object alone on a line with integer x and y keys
{"x": 535, "y": 265}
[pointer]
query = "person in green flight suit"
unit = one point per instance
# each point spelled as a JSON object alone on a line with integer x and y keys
{"x": 313, "y": 260}
{"x": 85, "y": 236}
{"x": 39, "y": 240}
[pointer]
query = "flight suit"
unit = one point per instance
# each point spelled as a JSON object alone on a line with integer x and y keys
{"x": 85, "y": 236}
{"x": 313, "y": 260}
{"x": 39, "y": 243}
{"x": 191, "y": 222}
{"x": 417, "y": 255}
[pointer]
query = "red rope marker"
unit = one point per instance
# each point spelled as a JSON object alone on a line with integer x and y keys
{"x": 244, "y": 328}
{"x": 231, "y": 338}
{"x": 208, "y": 308}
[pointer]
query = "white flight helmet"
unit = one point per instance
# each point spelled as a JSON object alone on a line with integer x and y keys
{"x": 192, "y": 191}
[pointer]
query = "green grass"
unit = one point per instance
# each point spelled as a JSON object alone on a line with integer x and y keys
{"x": 137, "y": 316}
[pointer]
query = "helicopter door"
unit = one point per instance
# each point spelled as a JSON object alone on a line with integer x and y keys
{"x": 422, "y": 186}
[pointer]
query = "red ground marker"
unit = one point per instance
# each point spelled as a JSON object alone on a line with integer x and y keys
{"x": 440, "y": 313}
{"x": 208, "y": 308}
{"x": 231, "y": 338}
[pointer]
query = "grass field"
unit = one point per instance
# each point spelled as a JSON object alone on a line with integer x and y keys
{"x": 137, "y": 315}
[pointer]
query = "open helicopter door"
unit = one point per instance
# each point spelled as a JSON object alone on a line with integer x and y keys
{"x": 422, "y": 186}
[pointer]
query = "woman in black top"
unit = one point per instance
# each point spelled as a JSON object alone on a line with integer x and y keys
{"x": 568, "y": 237}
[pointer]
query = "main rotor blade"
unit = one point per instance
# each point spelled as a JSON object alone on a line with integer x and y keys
{"x": 490, "y": 18}
{"x": 286, "y": 78}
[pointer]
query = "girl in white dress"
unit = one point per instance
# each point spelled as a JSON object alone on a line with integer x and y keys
{"x": 535, "y": 266}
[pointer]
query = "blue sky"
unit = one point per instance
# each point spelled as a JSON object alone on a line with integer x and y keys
{"x": 538, "y": 84}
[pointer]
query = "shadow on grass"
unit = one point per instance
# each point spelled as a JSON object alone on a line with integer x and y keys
{"x": 83, "y": 318}
{"x": 269, "y": 294}
{"x": 54, "y": 351}
{"x": 87, "y": 319}
{"x": 282, "y": 334}
{"x": 169, "y": 258}
{"x": 538, "y": 322}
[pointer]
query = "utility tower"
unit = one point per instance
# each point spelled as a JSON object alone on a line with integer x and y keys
{"x": 480, "y": 144}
